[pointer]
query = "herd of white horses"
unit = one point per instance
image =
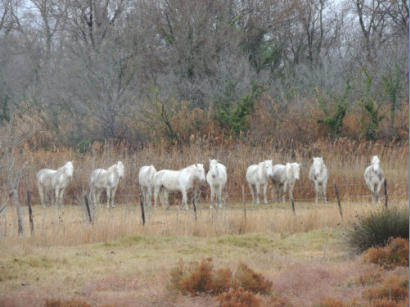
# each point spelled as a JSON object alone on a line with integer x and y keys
{"x": 52, "y": 183}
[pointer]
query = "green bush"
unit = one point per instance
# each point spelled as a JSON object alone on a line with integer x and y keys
{"x": 376, "y": 229}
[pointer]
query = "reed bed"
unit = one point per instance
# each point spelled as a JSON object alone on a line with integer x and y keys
{"x": 345, "y": 159}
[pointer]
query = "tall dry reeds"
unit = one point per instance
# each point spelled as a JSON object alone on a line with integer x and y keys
{"x": 345, "y": 159}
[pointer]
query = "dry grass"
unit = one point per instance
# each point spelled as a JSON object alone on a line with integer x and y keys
{"x": 125, "y": 220}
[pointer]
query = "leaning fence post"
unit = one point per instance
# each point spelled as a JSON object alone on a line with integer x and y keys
{"x": 385, "y": 194}
{"x": 338, "y": 201}
{"x": 30, "y": 213}
{"x": 142, "y": 208}
{"x": 293, "y": 206}
{"x": 88, "y": 209}
{"x": 243, "y": 194}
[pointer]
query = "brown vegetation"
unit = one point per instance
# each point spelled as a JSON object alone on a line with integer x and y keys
{"x": 197, "y": 278}
{"x": 396, "y": 253}
{"x": 395, "y": 288}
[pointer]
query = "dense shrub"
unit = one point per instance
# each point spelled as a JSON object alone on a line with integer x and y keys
{"x": 197, "y": 278}
{"x": 238, "y": 297}
{"x": 396, "y": 253}
{"x": 395, "y": 288}
{"x": 370, "y": 277}
{"x": 330, "y": 302}
{"x": 376, "y": 229}
{"x": 251, "y": 281}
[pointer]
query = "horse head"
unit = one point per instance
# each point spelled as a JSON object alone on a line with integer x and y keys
{"x": 68, "y": 169}
{"x": 268, "y": 167}
{"x": 120, "y": 169}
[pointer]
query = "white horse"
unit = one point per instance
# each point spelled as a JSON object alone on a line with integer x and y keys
{"x": 374, "y": 177}
{"x": 190, "y": 177}
{"x": 216, "y": 178}
{"x": 258, "y": 174}
{"x": 284, "y": 176}
{"x": 101, "y": 179}
{"x": 279, "y": 180}
{"x": 146, "y": 182}
{"x": 55, "y": 181}
{"x": 319, "y": 175}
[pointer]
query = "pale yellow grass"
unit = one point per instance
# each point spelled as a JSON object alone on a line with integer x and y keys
{"x": 117, "y": 260}
{"x": 125, "y": 220}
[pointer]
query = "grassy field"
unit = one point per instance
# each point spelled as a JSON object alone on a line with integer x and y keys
{"x": 118, "y": 261}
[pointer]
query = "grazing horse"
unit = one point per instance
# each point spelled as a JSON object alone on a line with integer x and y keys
{"x": 258, "y": 174}
{"x": 374, "y": 177}
{"x": 101, "y": 179}
{"x": 285, "y": 176}
{"x": 216, "y": 178}
{"x": 319, "y": 175}
{"x": 183, "y": 180}
{"x": 146, "y": 182}
{"x": 49, "y": 180}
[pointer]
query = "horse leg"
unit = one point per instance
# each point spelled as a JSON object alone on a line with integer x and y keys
{"x": 219, "y": 193}
{"x": 258, "y": 189}
{"x": 113, "y": 191}
{"x": 41, "y": 191}
{"x": 277, "y": 190}
{"x": 285, "y": 187}
{"x": 212, "y": 196}
{"x": 317, "y": 191}
{"x": 60, "y": 203}
{"x": 265, "y": 187}
{"x": 165, "y": 194}
{"x": 252, "y": 192}
{"x": 156, "y": 191}
{"x": 98, "y": 197}
{"x": 291, "y": 186}
{"x": 184, "y": 199}
{"x": 148, "y": 199}
{"x": 378, "y": 188}
{"x": 324, "y": 191}
{"x": 108, "y": 192}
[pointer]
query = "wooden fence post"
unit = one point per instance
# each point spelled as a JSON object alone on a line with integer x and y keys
{"x": 293, "y": 206}
{"x": 338, "y": 201}
{"x": 243, "y": 194}
{"x": 30, "y": 213}
{"x": 142, "y": 208}
{"x": 18, "y": 211}
{"x": 88, "y": 209}
{"x": 386, "y": 205}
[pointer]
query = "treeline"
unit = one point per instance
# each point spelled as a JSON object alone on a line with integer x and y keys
{"x": 143, "y": 71}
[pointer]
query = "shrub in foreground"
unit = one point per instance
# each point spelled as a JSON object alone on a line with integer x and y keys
{"x": 395, "y": 288}
{"x": 251, "y": 281}
{"x": 396, "y": 253}
{"x": 330, "y": 302}
{"x": 238, "y": 297}
{"x": 200, "y": 277}
{"x": 376, "y": 229}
